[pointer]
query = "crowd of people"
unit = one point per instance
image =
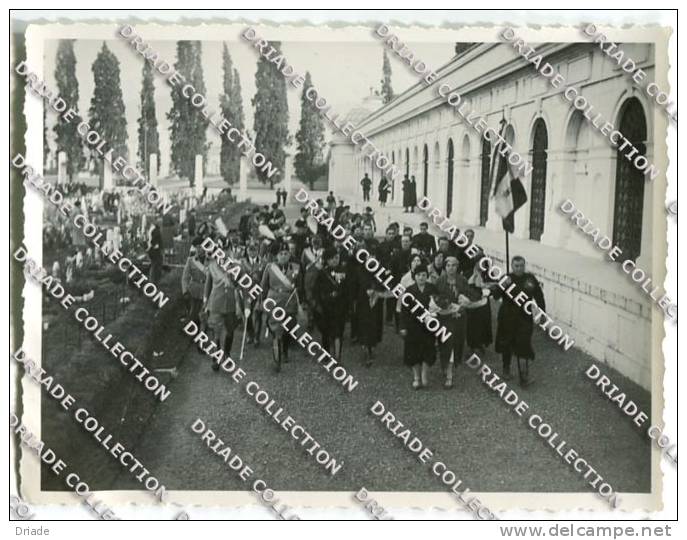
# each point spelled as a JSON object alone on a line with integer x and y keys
{"x": 127, "y": 221}
{"x": 384, "y": 188}
{"x": 318, "y": 282}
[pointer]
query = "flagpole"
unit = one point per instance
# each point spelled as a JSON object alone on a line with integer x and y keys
{"x": 507, "y": 254}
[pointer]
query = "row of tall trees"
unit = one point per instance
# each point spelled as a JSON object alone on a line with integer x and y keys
{"x": 188, "y": 128}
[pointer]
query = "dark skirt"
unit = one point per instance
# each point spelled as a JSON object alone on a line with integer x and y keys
{"x": 479, "y": 333}
{"x": 332, "y": 320}
{"x": 514, "y": 333}
{"x": 369, "y": 322}
{"x": 419, "y": 346}
{"x": 454, "y": 344}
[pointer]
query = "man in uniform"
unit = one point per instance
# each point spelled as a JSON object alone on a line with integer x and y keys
{"x": 401, "y": 262}
{"x": 282, "y": 283}
{"x": 223, "y": 302}
{"x": 369, "y": 241}
{"x": 253, "y": 265}
{"x": 367, "y": 186}
{"x": 514, "y": 332}
{"x": 425, "y": 242}
{"x": 193, "y": 282}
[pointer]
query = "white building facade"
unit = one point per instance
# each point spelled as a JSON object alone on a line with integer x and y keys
{"x": 589, "y": 296}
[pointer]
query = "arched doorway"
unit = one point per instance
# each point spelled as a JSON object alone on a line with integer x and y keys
{"x": 407, "y": 162}
{"x": 629, "y": 182}
{"x": 425, "y": 169}
{"x": 449, "y": 180}
{"x": 538, "y": 192}
{"x": 485, "y": 183}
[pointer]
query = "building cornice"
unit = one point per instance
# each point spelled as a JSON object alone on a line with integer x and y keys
{"x": 508, "y": 68}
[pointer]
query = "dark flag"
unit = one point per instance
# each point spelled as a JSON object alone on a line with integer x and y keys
{"x": 509, "y": 193}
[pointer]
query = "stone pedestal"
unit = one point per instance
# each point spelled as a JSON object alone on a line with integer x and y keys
{"x": 62, "y": 168}
{"x": 152, "y": 172}
{"x": 198, "y": 175}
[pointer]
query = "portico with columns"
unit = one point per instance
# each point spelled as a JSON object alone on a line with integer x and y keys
{"x": 597, "y": 303}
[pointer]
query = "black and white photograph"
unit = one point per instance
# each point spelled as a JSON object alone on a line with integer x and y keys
{"x": 293, "y": 266}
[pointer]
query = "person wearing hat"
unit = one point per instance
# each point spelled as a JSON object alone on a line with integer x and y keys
{"x": 253, "y": 265}
{"x": 330, "y": 293}
{"x": 454, "y": 296}
{"x": 281, "y": 282}
{"x": 223, "y": 303}
{"x": 419, "y": 343}
{"x": 193, "y": 282}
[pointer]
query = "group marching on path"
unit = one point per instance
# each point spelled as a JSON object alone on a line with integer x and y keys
{"x": 317, "y": 281}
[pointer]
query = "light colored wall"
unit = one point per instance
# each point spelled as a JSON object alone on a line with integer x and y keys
{"x": 609, "y": 322}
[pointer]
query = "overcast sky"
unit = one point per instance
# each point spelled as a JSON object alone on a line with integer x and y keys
{"x": 342, "y": 72}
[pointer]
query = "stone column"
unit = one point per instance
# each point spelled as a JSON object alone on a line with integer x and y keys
{"x": 108, "y": 182}
{"x": 288, "y": 172}
{"x": 556, "y": 230}
{"x": 62, "y": 168}
{"x": 152, "y": 169}
{"x": 243, "y": 178}
{"x": 472, "y": 191}
{"x": 198, "y": 175}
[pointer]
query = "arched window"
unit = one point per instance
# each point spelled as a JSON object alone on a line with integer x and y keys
{"x": 629, "y": 182}
{"x": 449, "y": 180}
{"x": 485, "y": 185}
{"x": 538, "y": 196}
{"x": 425, "y": 169}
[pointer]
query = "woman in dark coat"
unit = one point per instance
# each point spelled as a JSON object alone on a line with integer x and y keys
{"x": 515, "y": 325}
{"x": 383, "y": 189}
{"x": 413, "y": 194}
{"x": 330, "y": 294}
{"x": 406, "y": 187}
{"x": 419, "y": 350}
{"x": 369, "y": 311}
{"x": 478, "y": 334}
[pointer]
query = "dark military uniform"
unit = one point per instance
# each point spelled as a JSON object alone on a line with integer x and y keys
{"x": 254, "y": 267}
{"x": 223, "y": 302}
{"x": 282, "y": 285}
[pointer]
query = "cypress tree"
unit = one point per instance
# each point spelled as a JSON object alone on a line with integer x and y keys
{"x": 387, "y": 91}
{"x": 148, "y": 137}
{"x": 310, "y": 139}
{"x": 107, "y": 112}
{"x": 187, "y": 124}
{"x": 232, "y": 110}
{"x": 68, "y": 139}
{"x": 271, "y": 119}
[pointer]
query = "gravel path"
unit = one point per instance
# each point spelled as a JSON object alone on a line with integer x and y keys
{"x": 469, "y": 427}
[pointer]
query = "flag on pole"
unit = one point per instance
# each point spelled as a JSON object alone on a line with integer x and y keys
{"x": 509, "y": 193}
